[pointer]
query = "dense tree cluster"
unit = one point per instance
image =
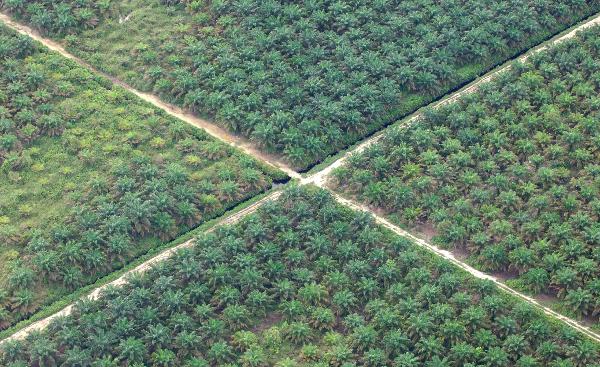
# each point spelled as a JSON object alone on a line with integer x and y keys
{"x": 510, "y": 173}
{"x": 58, "y": 17}
{"x": 26, "y": 110}
{"x": 307, "y": 78}
{"x": 93, "y": 177}
{"x": 304, "y": 282}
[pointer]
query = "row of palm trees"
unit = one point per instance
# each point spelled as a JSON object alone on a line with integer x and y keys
{"x": 307, "y": 79}
{"x": 304, "y": 282}
{"x": 58, "y": 17}
{"x": 25, "y": 112}
{"x": 509, "y": 174}
{"x": 142, "y": 179}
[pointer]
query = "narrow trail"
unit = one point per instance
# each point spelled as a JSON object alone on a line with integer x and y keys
{"x": 214, "y": 130}
{"x": 147, "y": 265}
{"x": 476, "y": 273}
{"x": 319, "y": 178}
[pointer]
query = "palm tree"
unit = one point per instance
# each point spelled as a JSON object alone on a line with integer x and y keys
{"x": 42, "y": 351}
{"x": 77, "y": 357}
{"x": 157, "y": 336}
{"x": 119, "y": 247}
{"x": 258, "y": 301}
{"x": 515, "y": 345}
{"x": 132, "y": 350}
{"x": 463, "y": 353}
{"x": 5, "y": 317}
{"x": 21, "y": 277}
{"x": 23, "y": 301}
{"x": 220, "y": 352}
{"x": 537, "y": 279}
{"x": 187, "y": 267}
{"x": 453, "y": 331}
{"x": 236, "y": 316}
{"x": 374, "y": 357}
{"x": 343, "y": 301}
{"x": 312, "y": 294}
{"x": 249, "y": 279}
{"x": 322, "y": 318}
{"x": 47, "y": 262}
{"x": 505, "y": 326}
{"x": 474, "y": 317}
{"x": 429, "y": 347}
{"x": 579, "y": 300}
{"x": 406, "y": 360}
{"x": 584, "y": 353}
{"x": 437, "y": 362}
{"x": 496, "y": 357}
{"x": 254, "y": 357}
{"x": 219, "y": 275}
{"x": 527, "y": 361}
{"x": 298, "y": 332}
{"x": 420, "y": 326}
{"x": 522, "y": 258}
{"x": 187, "y": 342}
{"x": 388, "y": 272}
{"x": 244, "y": 339}
{"x": 163, "y": 358}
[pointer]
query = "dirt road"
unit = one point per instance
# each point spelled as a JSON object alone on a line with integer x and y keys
{"x": 212, "y": 129}
{"x": 228, "y": 220}
{"x": 476, "y": 273}
{"x": 318, "y": 178}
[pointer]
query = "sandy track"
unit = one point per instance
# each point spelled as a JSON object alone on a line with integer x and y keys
{"x": 228, "y": 220}
{"x": 216, "y": 131}
{"x": 476, "y": 273}
{"x": 319, "y": 178}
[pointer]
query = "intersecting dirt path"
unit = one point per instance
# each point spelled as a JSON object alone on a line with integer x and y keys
{"x": 319, "y": 178}
{"x": 212, "y": 129}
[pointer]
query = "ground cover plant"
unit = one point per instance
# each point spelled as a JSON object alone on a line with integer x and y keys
{"x": 91, "y": 177}
{"x": 301, "y": 78}
{"x": 511, "y": 174}
{"x": 304, "y": 282}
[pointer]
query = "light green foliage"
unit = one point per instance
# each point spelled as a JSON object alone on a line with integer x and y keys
{"x": 94, "y": 177}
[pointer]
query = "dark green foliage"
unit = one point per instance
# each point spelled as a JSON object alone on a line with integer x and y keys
{"x": 337, "y": 289}
{"x": 27, "y": 98}
{"x": 91, "y": 177}
{"x": 58, "y": 17}
{"x": 510, "y": 173}
{"x": 307, "y": 78}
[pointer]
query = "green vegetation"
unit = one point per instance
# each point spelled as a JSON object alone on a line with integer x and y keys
{"x": 303, "y": 282}
{"x": 59, "y": 17}
{"x": 301, "y": 78}
{"x": 91, "y": 177}
{"x": 510, "y": 173}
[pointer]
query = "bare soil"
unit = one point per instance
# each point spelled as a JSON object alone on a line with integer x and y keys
{"x": 271, "y": 319}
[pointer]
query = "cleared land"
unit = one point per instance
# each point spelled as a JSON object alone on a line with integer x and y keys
{"x": 508, "y": 174}
{"x": 91, "y": 177}
{"x": 312, "y": 81}
{"x": 304, "y": 282}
